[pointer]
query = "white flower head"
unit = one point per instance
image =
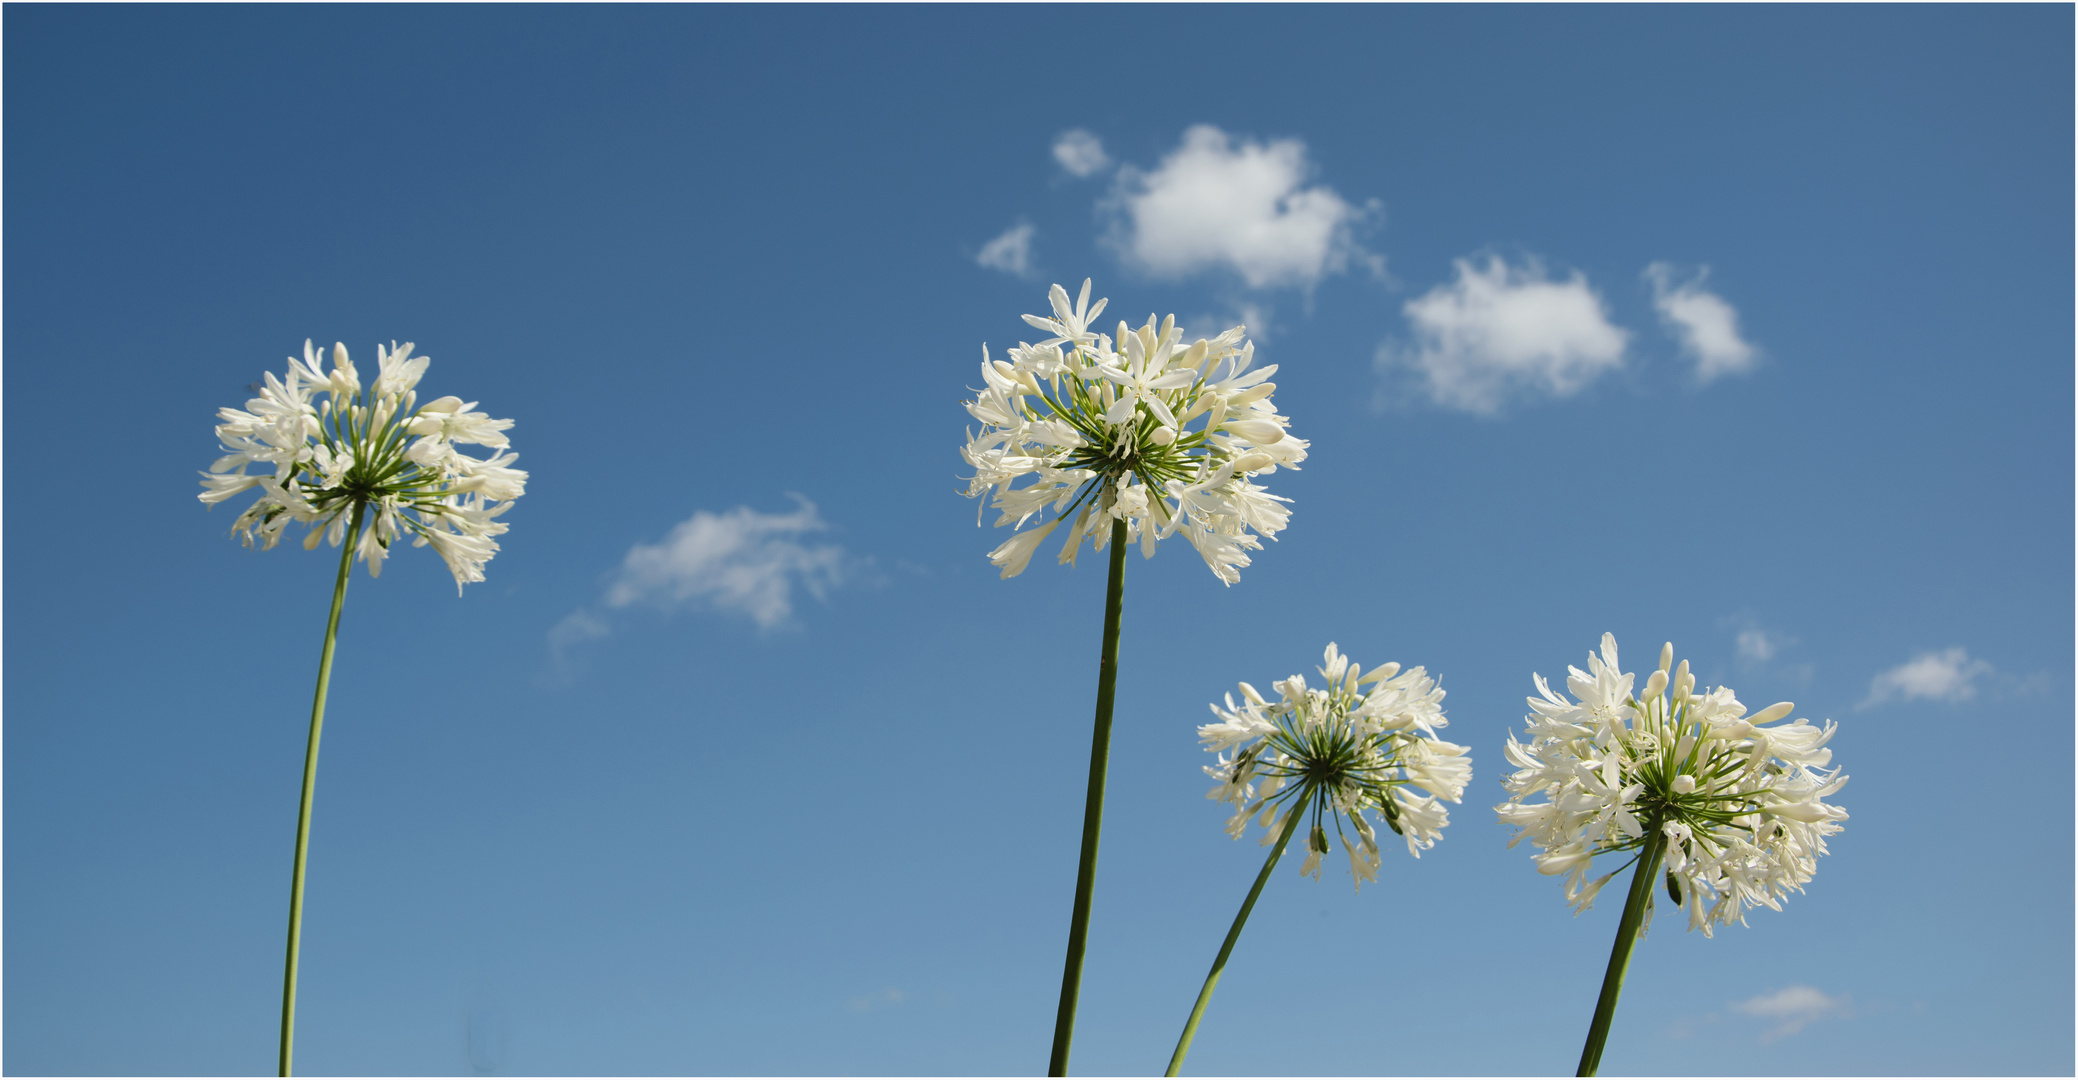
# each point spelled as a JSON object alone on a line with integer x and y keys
{"x": 370, "y": 450}
{"x": 1738, "y": 804}
{"x": 1362, "y": 742}
{"x": 1140, "y": 427}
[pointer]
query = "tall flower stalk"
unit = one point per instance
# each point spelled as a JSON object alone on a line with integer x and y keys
{"x": 1360, "y": 743}
{"x": 1127, "y": 438}
{"x": 362, "y": 467}
{"x": 1681, "y": 784}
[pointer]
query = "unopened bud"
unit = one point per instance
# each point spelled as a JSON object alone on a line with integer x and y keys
{"x": 1386, "y": 672}
{"x": 1252, "y": 461}
{"x": 1259, "y": 432}
{"x": 1772, "y": 713}
{"x": 1666, "y": 656}
{"x": 1684, "y": 784}
{"x": 1162, "y": 436}
{"x": 1655, "y": 685}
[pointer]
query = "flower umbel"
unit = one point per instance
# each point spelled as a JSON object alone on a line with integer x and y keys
{"x": 1364, "y": 741}
{"x": 1105, "y": 428}
{"x": 372, "y": 448}
{"x": 1739, "y": 804}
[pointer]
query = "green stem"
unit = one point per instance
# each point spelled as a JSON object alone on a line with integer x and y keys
{"x": 1634, "y": 908}
{"x": 1093, "y": 806}
{"x": 1219, "y": 964}
{"x": 317, "y": 727}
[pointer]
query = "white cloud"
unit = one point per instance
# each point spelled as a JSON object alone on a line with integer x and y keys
{"x": 1256, "y": 317}
{"x": 1756, "y": 647}
{"x": 1081, "y": 152}
{"x": 884, "y": 998}
{"x": 1216, "y": 203}
{"x": 739, "y": 560}
{"x": 1706, "y": 326}
{"x": 1010, "y": 252}
{"x": 1949, "y": 676}
{"x": 1793, "y": 1007}
{"x": 1506, "y": 331}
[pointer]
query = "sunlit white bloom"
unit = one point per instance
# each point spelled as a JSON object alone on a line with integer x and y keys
{"x": 1138, "y": 427}
{"x": 1363, "y": 741}
{"x": 373, "y": 455}
{"x": 1739, "y": 804}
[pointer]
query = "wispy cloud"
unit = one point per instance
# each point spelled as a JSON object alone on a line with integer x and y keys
{"x": 884, "y": 998}
{"x": 1757, "y": 646}
{"x": 1706, "y": 326}
{"x": 1949, "y": 676}
{"x": 1793, "y": 1008}
{"x": 739, "y": 562}
{"x": 1011, "y": 252}
{"x": 1504, "y": 332}
{"x": 1081, "y": 153}
{"x": 1217, "y": 202}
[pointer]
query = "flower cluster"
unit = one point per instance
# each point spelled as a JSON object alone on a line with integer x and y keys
{"x": 1104, "y": 427}
{"x": 1737, "y": 804}
{"x": 1359, "y": 743}
{"x": 372, "y": 450}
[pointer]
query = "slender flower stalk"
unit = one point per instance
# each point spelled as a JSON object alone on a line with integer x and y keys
{"x": 1685, "y": 783}
{"x": 1092, "y": 808}
{"x": 317, "y": 730}
{"x": 1226, "y": 948}
{"x": 361, "y": 467}
{"x": 1637, "y": 907}
{"x": 1360, "y": 743}
{"x": 1126, "y": 438}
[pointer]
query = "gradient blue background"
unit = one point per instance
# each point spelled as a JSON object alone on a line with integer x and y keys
{"x": 708, "y": 256}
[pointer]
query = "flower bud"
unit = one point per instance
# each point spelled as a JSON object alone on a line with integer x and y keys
{"x": 1655, "y": 685}
{"x": 1250, "y": 462}
{"x": 1666, "y": 656}
{"x": 1684, "y": 784}
{"x": 1162, "y": 436}
{"x": 1772, "y": 713}
{"x": 1260, "y": 432}
{"x": 447, "y": 404}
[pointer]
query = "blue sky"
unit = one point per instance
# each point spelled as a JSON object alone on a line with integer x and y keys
{"x": 1749, "y": 328}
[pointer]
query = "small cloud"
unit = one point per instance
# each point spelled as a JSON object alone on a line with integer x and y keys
{"x": 1756, "y": 647}
{"x": 1706, "y": 326}
{"x": 740, "y": 561}
{"x": 884, "y": 998}
{"x": 1081, "y": 153}
{"x": 1010, "y": 252}
{"x": 1949, "y": 676}
{"x": 1793, "y": 1008}
{"x": 1256, "y": 317}
{"x": 576, "y": 627}
{"x": 1504, "y": 332}
{"x": 1215, "y": 202}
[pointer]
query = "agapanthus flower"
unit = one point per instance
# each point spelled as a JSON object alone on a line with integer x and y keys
{"x": 1363, "y": 741}
{"x": 1140, "y": 426}
{"x": 339, "y": 449}
{"x": 1739, "y": 803}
